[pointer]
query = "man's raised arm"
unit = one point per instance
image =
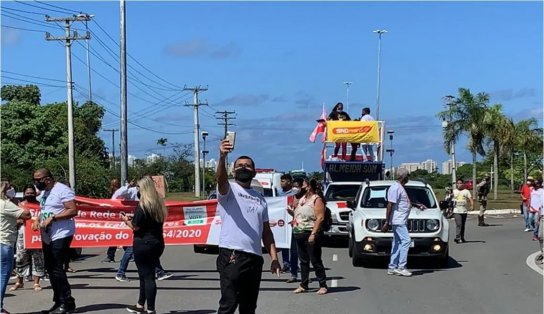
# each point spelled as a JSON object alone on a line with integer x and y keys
{"x": 221, "y": 173}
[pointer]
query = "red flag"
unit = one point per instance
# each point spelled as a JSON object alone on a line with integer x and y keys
{"x": 320, "y": 127}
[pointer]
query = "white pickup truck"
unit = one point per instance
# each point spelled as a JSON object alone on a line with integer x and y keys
{"x": 429, "y": 229}
{"x": 337, "y": 195}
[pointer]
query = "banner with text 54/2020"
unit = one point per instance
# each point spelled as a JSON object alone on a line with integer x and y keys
{"x": 98, "y": 223}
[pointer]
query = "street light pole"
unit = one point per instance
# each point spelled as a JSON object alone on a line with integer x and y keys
{"x": 348, "y": 84}
{"x": 445, "y": 124}
{"x": 379, "y": 32}
{"x": 391, "y": 151}
{"x": 204, "y": 152}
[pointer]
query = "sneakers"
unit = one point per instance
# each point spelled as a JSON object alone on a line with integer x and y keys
{"x": 391, "y": 271}
{"x": 163, "y": 276}
{"x": 135, "y": 309}
{"x": 527, "y": 229}
{"x": 108, "y": 260}
{"x": 122, "y": 278}
{"x": 402, "y": 272}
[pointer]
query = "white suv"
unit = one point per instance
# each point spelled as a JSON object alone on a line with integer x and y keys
{"x": 337, "y": 195}
{"x": 429, "y": 229}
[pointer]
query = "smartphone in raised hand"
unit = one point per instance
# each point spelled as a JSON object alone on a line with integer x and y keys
{"x": 231, "y": 137}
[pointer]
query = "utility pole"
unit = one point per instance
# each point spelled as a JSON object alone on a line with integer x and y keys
{"x": 112, "y": 143}
{"x": 88, "y": 56}
{"x": 204, "y": 153}
{"x": 123, "y": 70}
{"x": 196, "y": 104}
{"x": 225, "y": 116}
{"x": 68, "y": 38}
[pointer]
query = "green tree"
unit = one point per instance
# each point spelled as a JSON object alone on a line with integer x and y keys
{"x": 467, "y": 111}
{"x": 499, "y": 130}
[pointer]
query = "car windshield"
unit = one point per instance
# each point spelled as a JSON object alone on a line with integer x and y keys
{"x": 345, "y": 192}
{"x": 376, "y": 196}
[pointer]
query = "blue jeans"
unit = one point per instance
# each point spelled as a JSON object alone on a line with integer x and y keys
{"x": 532, "y": 220}
{"x": 401, "y": 245}
{"x": 127, "y": 256}
{"x": 6, "y": 253}
{"x": 526, "y": 215}
{"x": 368, "y": 150}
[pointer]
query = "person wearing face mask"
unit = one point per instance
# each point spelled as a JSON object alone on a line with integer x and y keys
{"x": 9, "y": 214}
{"x": 525, "y": 193}
{"x": 298, "y": 193}
{"x": 28, "y": 260}
{"x": 57, "y": 227}
{"x": 286, "y": 184}
{"x": 244, "y": 224}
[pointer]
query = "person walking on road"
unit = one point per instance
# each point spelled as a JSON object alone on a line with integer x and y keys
{"x": 536, "y": 204}
{"x": 461, "y": 197}
{"x": 308, "y": 234}
{"x": 525, "y": 193}
{"x": 289, "y": 256}
{"x": 57, "y": 227}
{"x": 244, "y": 216}
{"x": 396, "y": 216}
{"x": 483, "y": 190}
{"x": 148, "y": 243}
{"x": 9, "y": 214}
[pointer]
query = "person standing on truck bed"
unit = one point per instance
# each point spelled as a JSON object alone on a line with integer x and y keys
{"x": 367, "y": 148}
{"x": 396, "y": 216}
{"x": 336, "y": 114}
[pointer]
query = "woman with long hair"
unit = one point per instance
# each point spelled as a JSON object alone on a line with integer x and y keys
{"x": 9, "y": 214}
{"x": 308, "y": 234}
{"x": 148, "y": 244}
{"x": 338, "y": 113}
{"x": 28, "y": 261}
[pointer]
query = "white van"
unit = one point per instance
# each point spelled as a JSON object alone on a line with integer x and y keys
{"x": 270, "y": 179}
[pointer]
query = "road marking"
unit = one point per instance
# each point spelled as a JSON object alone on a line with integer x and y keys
{"x": 531, "y": 263}
{"x": 334, "y": 283}
{"x": 335, "y": 257}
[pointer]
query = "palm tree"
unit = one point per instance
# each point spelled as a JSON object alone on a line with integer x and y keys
{"x": 499, "y": 130}
{"x": 528, "y": 138}
{"x": 467, "y": 113}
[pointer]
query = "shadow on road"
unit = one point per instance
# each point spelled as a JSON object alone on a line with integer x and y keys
{"x": 192, "y": 312}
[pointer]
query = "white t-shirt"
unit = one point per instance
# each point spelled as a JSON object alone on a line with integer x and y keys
{"x": 125, "y": 193}
{"x": 537, "y": 201}
{"x": 461, "y": 199}
{"x": 401, "y": 204}
{"x": 367, "y": 117}
{"x": 243, "y": 212}
{"x": 52, "y": 203}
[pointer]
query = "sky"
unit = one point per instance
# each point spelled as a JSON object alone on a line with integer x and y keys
{"x": 277, "y": 63}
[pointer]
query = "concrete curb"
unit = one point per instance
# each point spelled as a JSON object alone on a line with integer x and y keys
{"x": 496, "y": 212}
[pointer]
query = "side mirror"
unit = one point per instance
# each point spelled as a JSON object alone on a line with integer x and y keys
{"x": 443, "y": 204}
{"x": 351, "y": 204}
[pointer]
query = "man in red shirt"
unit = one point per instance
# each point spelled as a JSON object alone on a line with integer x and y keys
{"x": 525, "y": 193}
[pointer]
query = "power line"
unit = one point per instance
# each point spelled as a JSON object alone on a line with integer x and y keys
{"x": 29, "y": 81}
{"x": 57, "y": 7}
{"x": 23, "y": 29}
{"x": 39, "y": 7}
{"x": 32, "y": 76}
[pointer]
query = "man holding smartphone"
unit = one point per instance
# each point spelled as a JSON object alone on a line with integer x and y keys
{"x": 244, "y": 216}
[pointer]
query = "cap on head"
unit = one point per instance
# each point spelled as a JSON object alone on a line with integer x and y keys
{"x": 530, "y": 178}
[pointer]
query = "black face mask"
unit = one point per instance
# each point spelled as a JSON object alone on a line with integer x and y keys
{"x": 40, "y": 185}
{"x": 301, "y": 193}
{"x": 30, "y": 198}
{"x": 243, "y": 175}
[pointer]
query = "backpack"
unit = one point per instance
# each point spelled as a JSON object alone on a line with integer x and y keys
{"x": 327, "y": 221}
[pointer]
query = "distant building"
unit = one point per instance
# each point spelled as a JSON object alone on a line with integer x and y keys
{"x": 152, "y": 158}
{"x": 410, "y": 166}
{"x": 131, "y": 160}
{"x": 429, "y": 165}
{"x": 447, "y": 166}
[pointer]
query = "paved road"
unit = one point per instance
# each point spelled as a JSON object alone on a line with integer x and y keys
{"x": 488, "y": 274}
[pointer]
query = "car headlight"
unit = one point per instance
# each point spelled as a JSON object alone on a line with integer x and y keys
{"x": 373, "y": 224}
{"x": 432, "y": 224}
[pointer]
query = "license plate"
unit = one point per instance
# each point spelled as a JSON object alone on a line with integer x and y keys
{"x": 412, "y": 243}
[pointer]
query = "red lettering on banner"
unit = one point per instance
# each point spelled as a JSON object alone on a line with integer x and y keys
{"x": 352, "y": 130}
